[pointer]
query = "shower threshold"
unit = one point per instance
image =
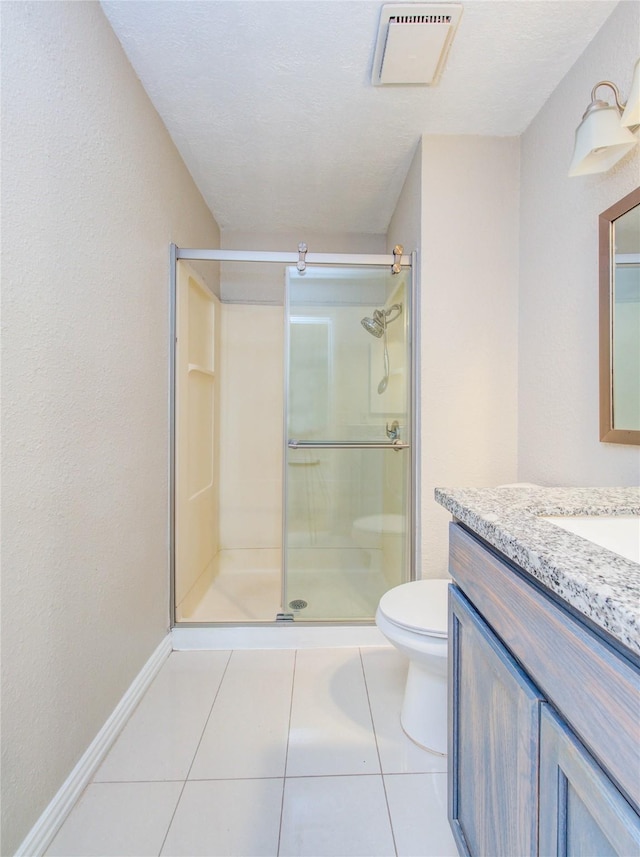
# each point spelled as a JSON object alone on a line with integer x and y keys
{"x": 281, "y": 635}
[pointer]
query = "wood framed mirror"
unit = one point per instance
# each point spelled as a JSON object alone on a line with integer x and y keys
{"x": 619, "y": 273}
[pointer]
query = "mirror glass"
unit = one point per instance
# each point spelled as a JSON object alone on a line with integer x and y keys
{"x": 626, "y": 321}
{"x": 620, "y": 321}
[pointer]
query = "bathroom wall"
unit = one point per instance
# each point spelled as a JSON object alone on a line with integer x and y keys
{"x": 405, "y": 224}
{"x": 558, "y": 331}
{"x": 93, "y": 192}
{"x": 317, "y": 242}
{"x": 469, "y": 304}
{"x": 459, "y": 207}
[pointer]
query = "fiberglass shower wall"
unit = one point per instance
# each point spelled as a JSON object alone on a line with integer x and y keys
{"x": 229, "y": 442}
{"x": 251, "y": 427}
{"x": 197, "y": 432}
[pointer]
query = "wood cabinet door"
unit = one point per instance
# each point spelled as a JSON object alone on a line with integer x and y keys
{"x": 494, "y": 714}
{"x": 582, "y": 813}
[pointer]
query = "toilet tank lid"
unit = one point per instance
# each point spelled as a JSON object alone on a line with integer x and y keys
{"x": 421, "y": 605}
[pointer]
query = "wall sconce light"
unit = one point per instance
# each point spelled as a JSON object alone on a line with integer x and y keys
{"x": 605, "y": 133}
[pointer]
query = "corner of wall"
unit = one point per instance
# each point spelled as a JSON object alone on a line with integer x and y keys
{"x": 404, "y": 225}
{"x": 469, "y": 294}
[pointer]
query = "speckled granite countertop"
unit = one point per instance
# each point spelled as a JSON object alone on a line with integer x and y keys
{"x": 600, "y": 584}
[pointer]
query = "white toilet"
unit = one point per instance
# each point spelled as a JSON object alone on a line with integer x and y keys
{"x": 414, "y": 617}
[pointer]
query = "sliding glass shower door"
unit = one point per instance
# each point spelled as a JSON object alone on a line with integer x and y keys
{"x": 347, "y": 458}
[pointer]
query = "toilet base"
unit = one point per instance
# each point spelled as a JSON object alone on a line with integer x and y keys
{"x": 424, "y": 709}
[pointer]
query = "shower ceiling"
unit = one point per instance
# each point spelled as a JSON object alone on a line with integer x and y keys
{"x": 271, "y": 106}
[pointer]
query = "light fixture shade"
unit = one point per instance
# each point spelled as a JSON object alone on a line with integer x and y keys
{"x": 600, "y": 141}
{"x": 631, "y": 115}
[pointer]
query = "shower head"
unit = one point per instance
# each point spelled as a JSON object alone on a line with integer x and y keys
{"x": 376, "y": 326}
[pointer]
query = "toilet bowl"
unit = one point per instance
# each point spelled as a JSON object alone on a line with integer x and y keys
{"x": 414, "y": 618}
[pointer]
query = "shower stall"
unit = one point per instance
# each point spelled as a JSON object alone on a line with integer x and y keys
{"x": 293, "y": 455}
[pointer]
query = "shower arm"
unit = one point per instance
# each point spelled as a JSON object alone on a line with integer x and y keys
{"x": 387, "y": 313}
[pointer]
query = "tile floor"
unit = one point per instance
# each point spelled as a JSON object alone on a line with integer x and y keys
{"x": 266, "y": 753}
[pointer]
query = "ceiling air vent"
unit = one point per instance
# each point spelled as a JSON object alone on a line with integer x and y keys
{"x": 413, "y": 42}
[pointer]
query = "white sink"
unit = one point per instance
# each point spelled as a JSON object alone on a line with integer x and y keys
{"x": 617, "y": 533}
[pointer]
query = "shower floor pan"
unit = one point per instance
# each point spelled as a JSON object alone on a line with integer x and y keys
{"x": 246, "y": 587}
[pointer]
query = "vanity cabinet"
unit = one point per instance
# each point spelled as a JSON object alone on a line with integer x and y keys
{"x": 544, "y": 738}
{"x": 581, "y": 811}
{"x": 495, "y": 711}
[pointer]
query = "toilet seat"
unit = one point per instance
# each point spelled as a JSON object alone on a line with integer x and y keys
{"x": 420, "y": 606}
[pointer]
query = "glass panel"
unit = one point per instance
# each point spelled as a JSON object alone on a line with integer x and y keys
{"x": 348, "y": 382}
{"x": 346, "y": 530}
{"x": 337, "y": 368}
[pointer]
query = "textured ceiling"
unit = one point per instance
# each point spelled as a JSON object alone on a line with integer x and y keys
{"x": 271, "y": 107}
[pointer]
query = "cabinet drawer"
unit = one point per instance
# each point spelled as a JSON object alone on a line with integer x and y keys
{"x": 597, "y": 690}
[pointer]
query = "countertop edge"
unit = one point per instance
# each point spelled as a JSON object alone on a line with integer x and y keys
{"x": 599, "y": 584}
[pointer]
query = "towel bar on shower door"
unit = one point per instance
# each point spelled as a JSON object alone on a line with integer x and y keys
{"x": 346, "y": 444}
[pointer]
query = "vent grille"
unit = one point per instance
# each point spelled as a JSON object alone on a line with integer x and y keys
{"x": 413, "y": 42}
{"x": 421, "y": 19}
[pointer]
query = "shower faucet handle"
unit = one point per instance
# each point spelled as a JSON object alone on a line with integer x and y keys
{"x": 393, "y": 430}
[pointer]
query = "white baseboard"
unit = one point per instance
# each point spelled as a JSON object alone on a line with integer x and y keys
{"x": 285, "y": 636}
{"x": 41, "y": 834}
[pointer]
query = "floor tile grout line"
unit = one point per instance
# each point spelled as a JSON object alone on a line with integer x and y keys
{"x": 333, "y": 776}
{"x": 375, "y": 735}
{"x": 293, "y": 681}
{"x": 275, "y": 777}
{"x": 124, "y": 782}
{"x": 366, "y": 690}
{"x": 286, "y": 754}
{"x": 186, "y": 779}
{"x": 215, "y": 699}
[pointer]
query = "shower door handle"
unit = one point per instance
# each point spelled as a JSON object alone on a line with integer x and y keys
{"x": 346, "y": 444}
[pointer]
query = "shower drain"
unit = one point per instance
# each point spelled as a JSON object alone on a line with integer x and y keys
{"x": 298, "y": 604}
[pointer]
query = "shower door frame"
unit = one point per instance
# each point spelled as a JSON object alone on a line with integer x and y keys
{"x": 177, "y": 254}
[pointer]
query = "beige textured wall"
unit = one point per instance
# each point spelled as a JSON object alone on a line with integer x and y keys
{"x": 459, "y": 208}
{"x": 469, "y": 303}
{"x": 404, "y": 226}
{"x": 326, "y": 242}
{"x": 93, "y": 193}
{"x": 558, "y": 336}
